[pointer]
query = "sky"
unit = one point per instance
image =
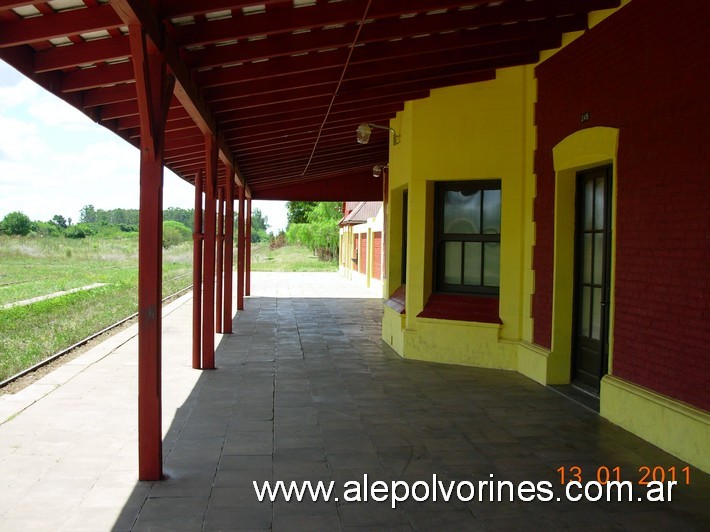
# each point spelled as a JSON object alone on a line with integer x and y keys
{"x": 55, "y": 160}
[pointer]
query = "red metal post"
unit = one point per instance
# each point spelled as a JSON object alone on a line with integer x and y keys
{"x": 209, "y": 254}
{"x": 228, "y": 253}
{"x": 154, "y": 90}
{"x": 197, "y": 276}
{"x": 220, "y": 259}
{"x": 240, "y": 251}
{"x": 247, "y": 258}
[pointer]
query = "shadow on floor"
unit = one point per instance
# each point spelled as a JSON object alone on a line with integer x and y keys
{"x": 306, "y": 390}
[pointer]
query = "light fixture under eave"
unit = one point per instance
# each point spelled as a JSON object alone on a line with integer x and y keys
{"x": 378, "y": 169}
{"x": 365, "y": 130}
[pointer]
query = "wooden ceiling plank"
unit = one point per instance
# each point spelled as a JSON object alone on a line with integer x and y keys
{"x": 64, "y": 57}
{"x": 63, "y": 24}
{"x": 294, "y": 126}
{"x": 334, "y": 155}
{"x": 110, "y": 95}
{"x": 183, "y": 8}
{"x": 99, "y": 76}
{"x": 132, "y": 121}
{"x": 382, "y": 31}
{"x": 304, "y": 114}
{"x": 318, "y": 103}
{"x": 128, "y": 108}
{"x": 287, "y": 98}
{"x": 142, "y": 11}
{"x": 303, "y": 18}
{"x": 347, "y": 13}
{"x": 377, "y": 58}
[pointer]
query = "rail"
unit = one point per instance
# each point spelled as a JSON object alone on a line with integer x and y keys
{"x": 83, "y": 342}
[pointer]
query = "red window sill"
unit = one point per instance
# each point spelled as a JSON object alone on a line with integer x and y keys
{"x": 462, "y": 308}
{"x": 397, "y": 300}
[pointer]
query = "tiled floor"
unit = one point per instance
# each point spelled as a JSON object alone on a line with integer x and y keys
{"x": 305, "y": 390}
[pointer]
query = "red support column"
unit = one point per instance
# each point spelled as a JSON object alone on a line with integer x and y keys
{"x": 247, "y": 258}
{"x": 154, "y": 90}
{"x": 197, "y": 236}
{"x": 209, "y": 254}
{"x": 228, "y": 253}
{"x": 220, "y": 259}
{"x": 240, "y": 252}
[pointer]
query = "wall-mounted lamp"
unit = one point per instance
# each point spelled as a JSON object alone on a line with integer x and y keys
{"x": 365, "y": 130}
{"x": 378, "y": 169}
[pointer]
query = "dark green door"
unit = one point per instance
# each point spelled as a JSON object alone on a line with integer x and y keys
{"x": 592, "y": 277}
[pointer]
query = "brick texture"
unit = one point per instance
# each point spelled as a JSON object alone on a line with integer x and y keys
{"x": 646, "y": 71}
{"x": 377, "y": 255}
{"x": 362, "y": 255}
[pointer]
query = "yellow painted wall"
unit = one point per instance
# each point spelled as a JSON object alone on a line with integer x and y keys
{"x": 486, "y": 131}
{"x": 478, "y": 131}
{"x": 671, "y": 425}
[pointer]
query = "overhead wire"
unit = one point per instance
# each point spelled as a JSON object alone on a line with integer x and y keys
{"x": 337, "y": 88}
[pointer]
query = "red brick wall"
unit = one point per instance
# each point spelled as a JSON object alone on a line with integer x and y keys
{"x": 362, "y": 255}
{"x": 645, "y": 71}
{"x": 377, "y": 255}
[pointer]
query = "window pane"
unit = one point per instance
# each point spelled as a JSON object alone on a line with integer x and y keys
{"x": 597, "y": 314}
{"x": 491, "y": 264}
{"x": 599, "y": 204}
{"x": 586, "y": 306}
{"x": 452, "y": 263}
{"x": 491, "y": 212}
{"x": 588, "y": 204}
{"x": 587, "y": 259}
{"x": 598, "y": 257}
{"x": 472, "y": 263}
{"x": 462, "y": 212}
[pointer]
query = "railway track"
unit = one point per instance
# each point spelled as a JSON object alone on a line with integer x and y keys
{"x": 83, "y": 342}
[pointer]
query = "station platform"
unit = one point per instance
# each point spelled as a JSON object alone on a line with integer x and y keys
{"x": 305, "y": 390}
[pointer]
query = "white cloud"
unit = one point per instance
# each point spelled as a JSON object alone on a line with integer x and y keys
{"x": 54, "y": 160}
{"x": 51, "y": 111}
{"x": 275, "y": 212}
{"x": 19, "y": 140}
{"x": 15, "y": 91}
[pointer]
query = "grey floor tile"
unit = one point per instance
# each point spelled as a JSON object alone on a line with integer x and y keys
{"x": 306, "y": 390}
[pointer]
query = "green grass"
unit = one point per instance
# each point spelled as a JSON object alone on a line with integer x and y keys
{"x": 35, "y": 266}
{"x": 31, "y": 267}
{"x": 287, "y": 259}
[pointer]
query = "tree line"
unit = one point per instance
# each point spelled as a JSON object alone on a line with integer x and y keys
{"x": 178, "y": 224}
{"x": 315, "y": 225}
{"x": 310, "y": 224}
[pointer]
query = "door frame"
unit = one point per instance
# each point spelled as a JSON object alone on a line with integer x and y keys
{"x": 582, "y": 150}
{"x": 608, "y": 171}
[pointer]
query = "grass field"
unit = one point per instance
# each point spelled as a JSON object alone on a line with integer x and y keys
{"x": 287, "y": 259}
{"x": 33, "y": 266}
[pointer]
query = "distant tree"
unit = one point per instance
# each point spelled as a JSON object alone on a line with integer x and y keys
{"x": 320, "y": 231}
{"x": 178, "y": 214}
{"x": 88, "y": 215}
{"x": 46, "y": 229}
{"x": 259, "y": 225}
{"x": 59, "y": 221}
{"x": 16, "y": 223}
{"x": 175, "y": 233}
{"x": 297, "y": 211}
{"x": 80, "y": 230}
{"x": 128, "y": 228}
